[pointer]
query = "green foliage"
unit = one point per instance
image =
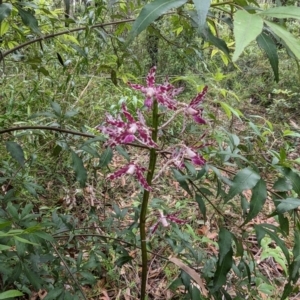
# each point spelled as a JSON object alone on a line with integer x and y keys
{"x": 56, "y": 236}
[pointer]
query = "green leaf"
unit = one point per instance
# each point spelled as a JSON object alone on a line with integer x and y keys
{"x": 266, "y": 43}
{"x": 258, "y": 199}
{"x": 5, "y": 10}
{"x": 123, "y": 260}
{"x": 202, "y": 8}
{"x": 80, "y": 171}
{"x": 294, "y": 178}
{"x": 243, "y": 180}
{"x": 243, "y": 33}
{"x": 230, "y": 110}
{"x": 24, "y": 240}
{"x": 288, "y": 38}
{"x": 16, "y": 152}
{"x": 150, "y": 13}
{"x": 182, "y": 180}
{"x": 282, "y": 184}
{"x": 202, "y": 206}
{"x": 10, "y": 294}
{"x": 262, "y": 229}
{"x": 221, "y": 271}
{"x": 219, "y": 43}
{"x": 123, "y": 152}
{"x": 295, "y": 266}
{"x": 106, "y": 157}
{"x": 33, "y": 278}
{"x": 225, "y": 240}
{"x": 287, "y": 205}
{"x": 3, "y": 248}
{"x": 282, "y": 12}
{"x": 29, "y": 20}
{"x": 54, "y": 294}
{"x": 56, "y": 108}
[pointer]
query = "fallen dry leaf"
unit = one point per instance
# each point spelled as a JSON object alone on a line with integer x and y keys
{"x": 195, "y": 276}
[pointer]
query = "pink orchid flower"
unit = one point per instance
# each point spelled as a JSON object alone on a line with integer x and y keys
{"x": 178, "y": 156}
{"x": 163, "y": 93}
{"x": 193, "y": 108}
{"x": 124, "y": 132}
{"x": 131, "y": 169}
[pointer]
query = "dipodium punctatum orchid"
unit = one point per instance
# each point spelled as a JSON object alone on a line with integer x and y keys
{"x": 121, "y": 132}
{"x": 193, "y": 108}
{"x": 163, "y": 220}
{"x": 179, "y": 154}
{"x": 163, "y": 93}
{"x": 132, "y": 169}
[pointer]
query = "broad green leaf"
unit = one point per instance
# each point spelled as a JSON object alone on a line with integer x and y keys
{"x": 10, "y": 294}
{"x": 282, "y": 185}
{"x": 33, "y": 278}
{"x": 243, "y": 180}
{"x": 106, "y": 157}
{"x": 43, "y": 235}
{"x": 263, "y": 229}
{"x": 294, "y": 179}
{"x": 230, "y": 110}
{"x": 224, "y": 242}
{"x": 282, "y": 12}
{"x": 221, "y": 271}
{"x": 266, "y": 43}
{"x": 24, "y": 240}
{"x": 202, "y": 8}
{"x": 182, "y": 179}
{"x": 288, "y": 38}
{"x": 29, "y": 20}
{"x": 91, "y": 151}
{"x": 295, "y": 266}
{"x": 291, "y": 133}
{"x": 246, "y": 28}
{"x": 219, "y": 43}
{"x": 150, "y": 13}
{"x": 5, "y": 10}
{"x": 4, "y": 26}
{"x": 54, "y": 294}
{"x": 16, "y": 152}
{"x": 202, "y": 206}
{"x": 123, "y": 260}
{"x": 80, "y": 171}
{"x": 258, "y": 199}
{"x": 56, "y": 108}
{"x": 3, "y": 248}
{"x": 287, "y": 204}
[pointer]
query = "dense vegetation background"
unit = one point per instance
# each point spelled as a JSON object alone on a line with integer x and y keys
{"x": 225, "y": 229}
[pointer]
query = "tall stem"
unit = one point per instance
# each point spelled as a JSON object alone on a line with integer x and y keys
{"x": 144, "y": 207}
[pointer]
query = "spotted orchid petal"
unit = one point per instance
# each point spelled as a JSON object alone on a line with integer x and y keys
{"x": 193, "y": 108}
{"x": 121, "y": 132}
{"x": 163, "y": 93}
{"x": 132, "y": 169}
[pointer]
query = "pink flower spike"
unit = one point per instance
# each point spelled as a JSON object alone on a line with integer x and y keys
{"x": 193, "y": 108}
{"x": 121, "y": 132}
{"x": 163, "y": 93}
{"x": 131, "y": 169}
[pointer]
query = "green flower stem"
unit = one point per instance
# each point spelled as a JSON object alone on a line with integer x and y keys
{"x": 144, "y": 207}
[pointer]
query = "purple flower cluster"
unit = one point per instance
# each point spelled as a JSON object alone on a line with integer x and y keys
{"x": 127, "y": 129}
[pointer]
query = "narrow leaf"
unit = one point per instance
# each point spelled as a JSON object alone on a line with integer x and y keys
{"x": 150, "y": 13}
{"x": 5, "y": 10}
{"x": 243, "y": 33}
{"x": 29, "y": 20}
{"x": 202, "y": 206}
{"x": 191, "y": 272}
{"x": 202, "y": 8}
{"x": 294, "y": 178}
{"x": 80, "y": 171}
{"x": 287, "y": 205}
{"x": 288, "y": 38}
{"x": 225, "y": 240}
{"x": 258, "y": 199}
{"x": 282, "y": 12}
{"x": 266, "y": 43}
{"x": 105, "y": 157}
{"x": 16, "y": 152}
{"x": 243, "y": 180}
{"x": 10, "y": 294}
{"x": 182, "y": 180}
